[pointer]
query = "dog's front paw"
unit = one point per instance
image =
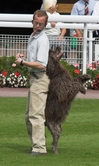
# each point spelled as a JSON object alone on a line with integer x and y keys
{"x": 83, "y": 90}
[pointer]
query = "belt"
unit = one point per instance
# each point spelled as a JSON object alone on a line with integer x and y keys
{"x": 35, "y": 75}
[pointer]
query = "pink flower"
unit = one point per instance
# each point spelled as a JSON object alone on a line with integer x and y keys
{"x": 89, "y": 65}
{"x": 13, "y": 65}
{"x": 94, "y": 61}
{"x": 76, "y": 65}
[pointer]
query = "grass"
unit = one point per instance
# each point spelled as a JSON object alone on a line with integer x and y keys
{"x": 78, "y": 145}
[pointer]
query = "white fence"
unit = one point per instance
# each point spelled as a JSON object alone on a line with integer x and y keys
{"x": 10, "y": 45}
{"x": 17, "y": 20}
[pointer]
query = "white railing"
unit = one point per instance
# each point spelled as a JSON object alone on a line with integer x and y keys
{"x": 89, "y": 23}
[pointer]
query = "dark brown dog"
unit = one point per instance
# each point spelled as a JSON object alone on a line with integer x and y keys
{"x": 62, "y": 91}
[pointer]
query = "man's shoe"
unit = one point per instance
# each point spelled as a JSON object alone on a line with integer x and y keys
{"x": 37, "y": 154}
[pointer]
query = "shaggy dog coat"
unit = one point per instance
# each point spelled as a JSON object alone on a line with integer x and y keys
{"x": 62, "y": 91}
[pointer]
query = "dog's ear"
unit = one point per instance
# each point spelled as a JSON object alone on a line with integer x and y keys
{"x": 50, "y": 50}
{"x": 58, "y": 49}
{"x": 52, "y": 47}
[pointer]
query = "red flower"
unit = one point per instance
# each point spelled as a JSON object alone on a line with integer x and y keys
{"x": 95, "y": 85}
{"x": 4, "y": 73}
{"x": 93, "y": 66}
{"x": 76, "y": 71}
{"x": 97, "y": 76}
{"x": 17, "y": 73}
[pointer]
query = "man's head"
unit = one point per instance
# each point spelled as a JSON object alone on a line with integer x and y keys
{"x": 39, "y": 21}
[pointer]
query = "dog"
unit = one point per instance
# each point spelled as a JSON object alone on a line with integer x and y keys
{"x": 62, "y": 91}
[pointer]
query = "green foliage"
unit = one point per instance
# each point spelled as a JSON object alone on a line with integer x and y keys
{"x": 70, "y": 68}
{"x": 6, "y": 65}
{"x": 92, "y": 73}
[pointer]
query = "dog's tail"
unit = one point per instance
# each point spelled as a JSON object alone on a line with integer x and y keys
{"x": 82, "y": 78}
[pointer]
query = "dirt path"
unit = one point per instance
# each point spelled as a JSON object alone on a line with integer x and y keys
{"x": 22, "y": 92}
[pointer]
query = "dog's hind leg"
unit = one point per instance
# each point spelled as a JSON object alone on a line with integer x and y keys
{"x": 55, "y": 130}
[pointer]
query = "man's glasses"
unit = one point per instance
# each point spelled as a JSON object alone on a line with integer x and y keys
{"x": 37, "y": 23}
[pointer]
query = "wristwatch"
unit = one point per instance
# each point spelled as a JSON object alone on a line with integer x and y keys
{"x": 21, "y": 63}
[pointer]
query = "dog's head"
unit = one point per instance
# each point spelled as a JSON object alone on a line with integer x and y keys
{"x": 56, "y": 54}
{"x": 53, "y": 62}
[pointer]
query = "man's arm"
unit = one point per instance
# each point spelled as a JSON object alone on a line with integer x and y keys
{"x": 36, "y": 65}
{"x": 74, "y": 11}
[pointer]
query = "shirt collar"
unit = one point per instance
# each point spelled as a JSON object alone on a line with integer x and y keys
{"x": 84, "y": 1}
{"x": 39, "y": 34}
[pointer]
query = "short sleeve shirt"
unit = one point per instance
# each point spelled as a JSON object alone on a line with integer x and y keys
{"x": 38, "y": 49}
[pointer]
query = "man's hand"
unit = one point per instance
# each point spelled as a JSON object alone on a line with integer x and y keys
{"x": 18, "y": 61}
{"x": 53, "y": 24}
{"x": 19, "y": 55}
{"x": 60, "y": 38}
{"x": 79, "y": 35}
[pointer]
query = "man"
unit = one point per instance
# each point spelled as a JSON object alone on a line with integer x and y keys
{"x": 96, "y": 13}
{"x": 37, "y": 59}
{"x": 79, "y": 8}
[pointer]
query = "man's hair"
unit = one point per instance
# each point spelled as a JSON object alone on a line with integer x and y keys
{"x": 41, "y": 13}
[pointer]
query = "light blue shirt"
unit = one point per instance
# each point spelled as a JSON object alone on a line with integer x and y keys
{"x": 38, "y": 49}
{"x": 79, "y": 7}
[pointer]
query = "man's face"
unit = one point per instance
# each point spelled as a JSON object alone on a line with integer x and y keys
{"x": 38, "y": 24}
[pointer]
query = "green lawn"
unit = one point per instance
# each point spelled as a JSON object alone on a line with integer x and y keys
{"x": 78, "y": 145}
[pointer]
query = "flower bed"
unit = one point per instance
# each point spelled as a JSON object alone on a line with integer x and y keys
{"x": 92, "y": 70}
{"x": 15, "y": 80}
{"x": 18, "y": 76}
{"x": 13, "y": 76}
